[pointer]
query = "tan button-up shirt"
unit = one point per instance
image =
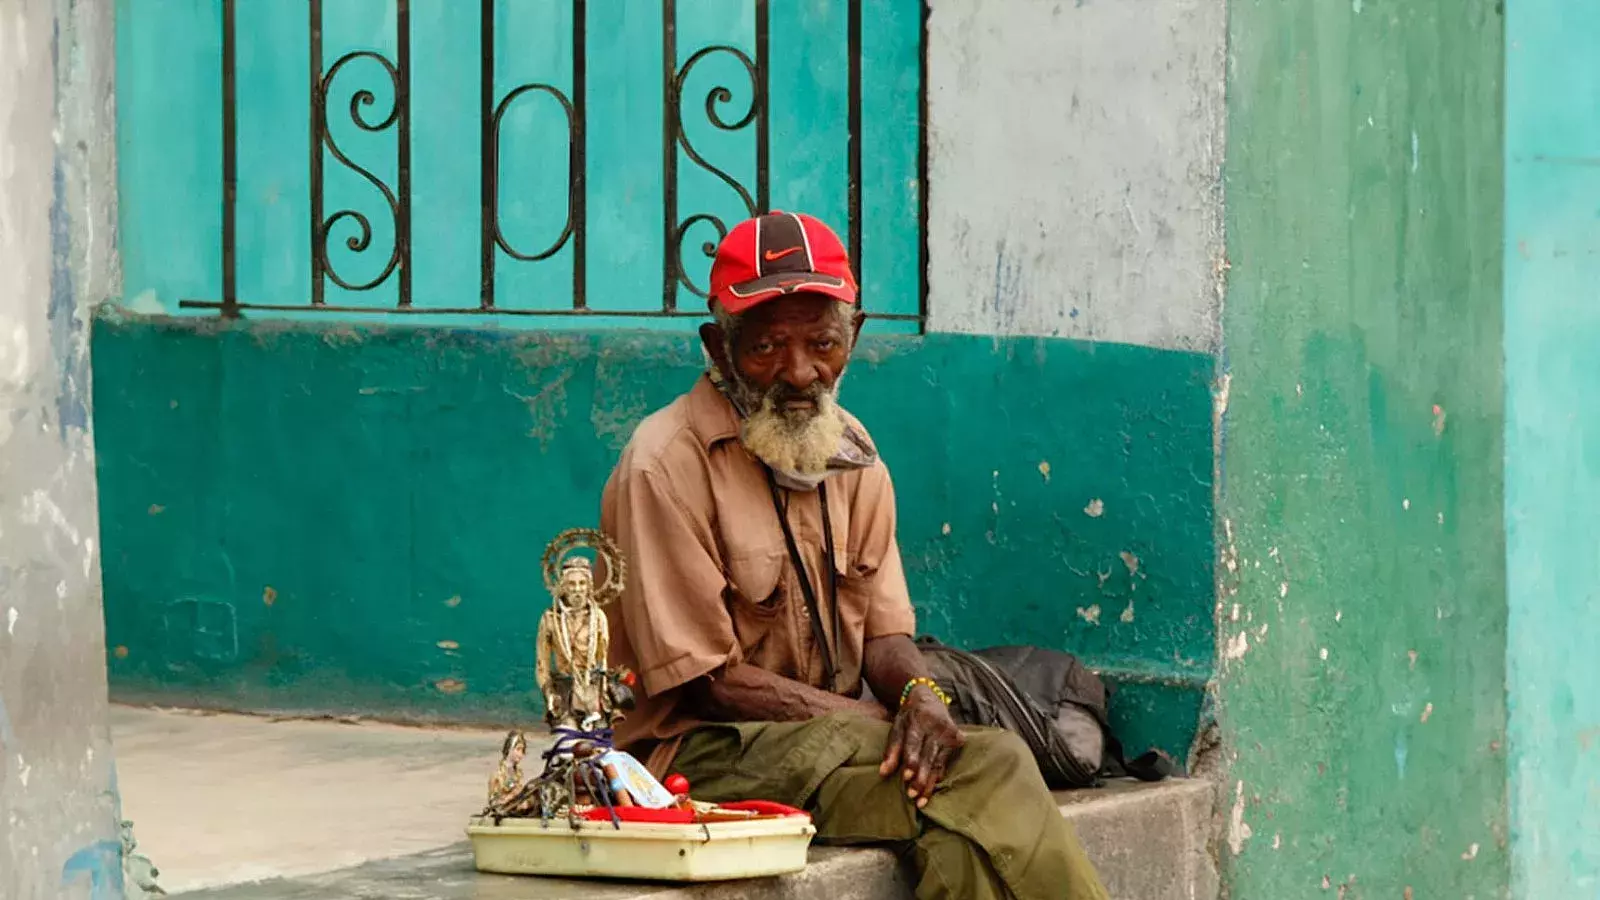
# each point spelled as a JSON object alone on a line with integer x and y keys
{"x": 709, "y": 580}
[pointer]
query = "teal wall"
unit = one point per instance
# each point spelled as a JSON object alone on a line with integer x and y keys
{"x": 1363, "y": 579}
{"x": 349, "y": 519}
{"x": 1552, "y": 358}
{"x": 169, "y": 64}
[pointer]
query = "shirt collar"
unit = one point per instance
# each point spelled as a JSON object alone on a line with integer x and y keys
{"x": 711, "y": 416}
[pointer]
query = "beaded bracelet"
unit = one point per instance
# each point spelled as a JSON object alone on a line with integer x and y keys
{"x": 930, "y": 684}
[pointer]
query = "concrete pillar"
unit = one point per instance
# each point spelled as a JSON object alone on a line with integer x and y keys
{"x": 58, "y": 799}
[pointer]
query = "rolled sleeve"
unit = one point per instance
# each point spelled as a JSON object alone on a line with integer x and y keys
{"x": 672, "y": 605}
{"x": 876, "y": 557}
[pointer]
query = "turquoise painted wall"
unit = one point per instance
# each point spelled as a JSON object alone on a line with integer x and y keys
{"x": 349, "y": 519}
{"x": 1552, "y": 359}
{"x": 169, "y": 64}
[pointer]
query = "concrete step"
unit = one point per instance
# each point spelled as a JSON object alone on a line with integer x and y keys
{"x": 1148, "y": 840}
{"x": 239, "y": 807}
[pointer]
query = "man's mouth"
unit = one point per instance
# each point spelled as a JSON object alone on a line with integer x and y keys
{"x": 799, "y": 404}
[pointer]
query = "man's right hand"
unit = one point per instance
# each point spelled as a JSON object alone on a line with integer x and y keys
{"x": 924, "y": 740}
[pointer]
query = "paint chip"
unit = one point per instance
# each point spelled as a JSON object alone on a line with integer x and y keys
{"x": 1131, "y": 561}
{"x": 1405, "y": 504}
{"x": 1044, "y": 469}
{"x": 450, "y": 685}
{"x": 1095, "y": 509}
{"x": 1283, "y": 589}
{"x": 1338, "y": 615}
{"x": 1412, "y": 654}
{"x": 1238, "y": 828}
{"x": 1441, "y": 518}
{"x": 453, "y": 602}
{"x": 1277, "y": 841}
{"x": 156, "y": 509}
{"x": 1326, "y": 882}
{"x": 1323, "y": 653}
{"x": 1091, "y": 614}
{"x": 1427, "y": 711}
{"x": 449, "y": 645}
{"x": 945, "y": 528}
{"x": 1238, "y": 646}
{"x": 121, "y": 652}
{"x": 1233, "y": 615}
{"x": 1438, "y": 420}
{"x": 1127, "y": 614}
{"x": 11, "y": 620}
{"x": 269, "y": 595}
{"x": 1471, "y": 854}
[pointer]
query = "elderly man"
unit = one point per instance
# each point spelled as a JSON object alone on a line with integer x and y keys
{"x": 765, "y": 587}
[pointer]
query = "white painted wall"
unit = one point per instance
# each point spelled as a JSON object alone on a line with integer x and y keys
{"x": 1074, "y": 157}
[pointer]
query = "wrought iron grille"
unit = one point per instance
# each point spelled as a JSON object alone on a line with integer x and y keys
{"x": 357, "y": 228}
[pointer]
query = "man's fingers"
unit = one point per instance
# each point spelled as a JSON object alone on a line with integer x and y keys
{"x": 891, "y": 756}
{"x": 911, "y": 757}
{"x": 930, "y": 765}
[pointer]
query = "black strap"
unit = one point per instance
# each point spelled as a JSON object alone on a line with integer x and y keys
{"x": 818, "y": 633}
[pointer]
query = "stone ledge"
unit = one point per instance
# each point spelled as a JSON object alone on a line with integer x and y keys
{"x": 1150, "y": 842}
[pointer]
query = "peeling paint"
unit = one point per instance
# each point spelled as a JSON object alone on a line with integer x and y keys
{"x": 1237, "y": 647}
{"x": 1095, "y": 508}
{"x": 1427, "y": 711}
{"x": 1238, "y": 828}
{"x": 1090, "y": 614}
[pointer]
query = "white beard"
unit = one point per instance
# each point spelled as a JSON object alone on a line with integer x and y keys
{"x": 799, "y": 445}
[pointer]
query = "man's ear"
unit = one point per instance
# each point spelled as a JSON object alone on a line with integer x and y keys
{"x": 715, "y": 341}
{"x": 856, "y": 321}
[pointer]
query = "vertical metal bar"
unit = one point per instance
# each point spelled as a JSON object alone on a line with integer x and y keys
{"x": 230, "y": 160}
{"x": 489, "y": 155}
{"x": 763, "y": 116}
{"x": 319, "y": 121}
{"x": 922, "y": 174}
{"x": 855, "y": 136}
{"x": 578, "y": 186}
{"x": 669, "y": 161}
{"x": 402, "y": 223}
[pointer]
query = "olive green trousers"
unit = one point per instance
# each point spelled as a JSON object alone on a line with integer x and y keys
{"x": 991, "y": 830}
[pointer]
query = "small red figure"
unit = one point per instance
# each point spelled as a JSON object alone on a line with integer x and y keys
{"x": 677, "y": 784}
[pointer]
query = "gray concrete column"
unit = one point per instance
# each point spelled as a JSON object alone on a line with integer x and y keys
{"x": 58, "y": 798}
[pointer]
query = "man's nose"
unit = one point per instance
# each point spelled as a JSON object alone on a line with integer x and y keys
{"x": 801, "y": 371}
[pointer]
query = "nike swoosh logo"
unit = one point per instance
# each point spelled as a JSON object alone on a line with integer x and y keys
{"x": 769, "y": 256}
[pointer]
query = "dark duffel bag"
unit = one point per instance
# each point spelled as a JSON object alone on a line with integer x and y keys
{"x": 1050, "y": 700}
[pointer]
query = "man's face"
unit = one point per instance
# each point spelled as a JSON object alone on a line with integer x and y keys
{"x": 784, "y": 363}
{"x": 793, "y": 349}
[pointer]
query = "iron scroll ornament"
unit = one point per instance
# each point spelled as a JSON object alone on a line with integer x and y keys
{"x": 362, "y": 239}
{"x": 718, "y": 95}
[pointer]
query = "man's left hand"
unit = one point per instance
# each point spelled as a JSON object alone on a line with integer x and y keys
{"x": 922, "y": 743}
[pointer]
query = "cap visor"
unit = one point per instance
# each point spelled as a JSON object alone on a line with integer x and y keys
{"x": 740, "y": 297}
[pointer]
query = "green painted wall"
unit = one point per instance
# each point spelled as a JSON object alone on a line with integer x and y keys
{"x": 349, "y": 520}
{"x": 1362, "y": 691}
{"x": 1552, "y": 251}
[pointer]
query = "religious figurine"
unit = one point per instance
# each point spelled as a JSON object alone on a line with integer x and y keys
{"x": 580, "y": 692}
{"x": 508, "y": 779}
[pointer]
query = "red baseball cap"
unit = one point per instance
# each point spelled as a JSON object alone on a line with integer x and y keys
{"x": 777, "y": 254}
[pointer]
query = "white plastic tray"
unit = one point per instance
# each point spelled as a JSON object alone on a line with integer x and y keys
{"x": 719, "y": 851}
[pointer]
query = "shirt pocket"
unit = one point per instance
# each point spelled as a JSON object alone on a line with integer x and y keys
{"x": 757, "y": 598}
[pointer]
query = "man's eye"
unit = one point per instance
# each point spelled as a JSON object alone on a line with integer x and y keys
{"x": 763, "y": 347}
{"x": 824, "y": 345}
